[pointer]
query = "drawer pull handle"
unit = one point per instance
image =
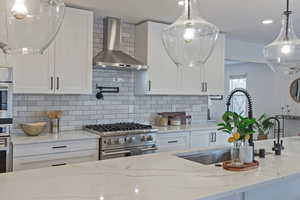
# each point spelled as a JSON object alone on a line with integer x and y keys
{"x": 59, "y": 147}
{"x": 115, "y": 153}
{"x": 172, "y": 142}
{"x": 150, "y": 149}
{"x": 61, "y": 164}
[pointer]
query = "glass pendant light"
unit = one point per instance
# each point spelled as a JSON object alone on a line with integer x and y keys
{"x": 190, "y": 40}
{"x": 29, "y": 26}
{"x": 283, "y": 54}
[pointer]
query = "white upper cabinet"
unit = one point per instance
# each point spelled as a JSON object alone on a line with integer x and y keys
{"x": 191, "y": 81}
{"x": 73, "y": 53}
{"x": 164, "y": 77}
{"x": 161, "y": 78}
{"x": 66, "y": 66}
{"x": 33, "y": 73}
{"x": 214, "y": 69}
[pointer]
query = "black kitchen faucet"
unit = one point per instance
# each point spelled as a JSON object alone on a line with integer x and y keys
{"x": 250, "y": 105}
{"x": 278, "y": 144}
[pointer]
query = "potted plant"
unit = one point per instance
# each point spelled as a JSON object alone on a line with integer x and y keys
{"x": 263, "y": 126}
{"x": 240, "y": 128}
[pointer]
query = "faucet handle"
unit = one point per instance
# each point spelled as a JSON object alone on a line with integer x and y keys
{"x": 281, "y": 144}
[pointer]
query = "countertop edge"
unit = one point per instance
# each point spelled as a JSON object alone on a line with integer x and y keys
{"x": 77, "y": 135}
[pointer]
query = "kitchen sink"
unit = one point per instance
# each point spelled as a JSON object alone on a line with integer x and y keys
{"x": 207, "y": 157}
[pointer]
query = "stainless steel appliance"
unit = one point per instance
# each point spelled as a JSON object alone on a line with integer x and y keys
{"x": 5, "y": 154}
{"x": 6, "y": 85}
{"x": 112, "y": 57}
{"x": 124, "y": 139}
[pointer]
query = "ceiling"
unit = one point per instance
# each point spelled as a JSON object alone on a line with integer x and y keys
{"x": 240, "y": 19}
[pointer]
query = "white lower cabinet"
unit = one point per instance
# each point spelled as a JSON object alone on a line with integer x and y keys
{"x": 51, "y": 154}
{"x": 209, "y": 137}
{"x": 173, "y": 141}
{"x": 199, "y": 139}
{"x": 54, "y": 160}
{"x": 191, "y": 139}
{"x": 218, "y": 138}
{"x": 287, "y": 188}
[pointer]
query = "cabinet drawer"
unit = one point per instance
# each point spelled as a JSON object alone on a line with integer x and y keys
{"x": 173, "y": 141}
{"x": 53, "y": 160}
{"x": 54, "y": 147}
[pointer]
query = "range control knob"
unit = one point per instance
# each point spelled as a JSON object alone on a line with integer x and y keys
{"x": 149, "y": 138}
{"x": 144, "y": 138}
{"x": 117, "y": 141}
{"x": 129, "y": 139}
{"x": 109, "y": 142}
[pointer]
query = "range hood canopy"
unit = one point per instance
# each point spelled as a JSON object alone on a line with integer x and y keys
{"x": 112, "y": 57}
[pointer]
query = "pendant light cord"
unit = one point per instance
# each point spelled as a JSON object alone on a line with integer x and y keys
{"x": 287, "y": 13}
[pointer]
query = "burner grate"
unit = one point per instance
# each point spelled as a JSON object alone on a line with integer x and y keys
{"x": 118, "y": 127}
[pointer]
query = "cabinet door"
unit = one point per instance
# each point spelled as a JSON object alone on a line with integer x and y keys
{"x": 33, "y": 74}
{"x": 163, "y": 73}
{"x": 54, "y": 160}
{"x": 73, "y": 53}
{"x": 222, "y": 138}
{"x": 218, "y": 138}
{"x": 191, "y": 81}
{"x": 3, "y": 62}
{"x": 173, "y": 141}
{"x": 199, "y": 139}
{"x": 214, "y": 69}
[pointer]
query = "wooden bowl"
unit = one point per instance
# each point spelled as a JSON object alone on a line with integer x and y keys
{"x": 33, "y": 129}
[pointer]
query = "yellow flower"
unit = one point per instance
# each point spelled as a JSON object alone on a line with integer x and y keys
{"x": 247, "y": 137}
{"x": 231, "y": 140}
{"x": 236, "y": 136}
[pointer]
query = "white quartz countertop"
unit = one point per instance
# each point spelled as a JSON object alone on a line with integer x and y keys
{"x": 161, "y": 176}
{"x": 193, "y": 127}
{"x": 47, "y": 137}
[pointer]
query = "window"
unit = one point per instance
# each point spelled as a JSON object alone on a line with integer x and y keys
{"x": 239, "y": 101}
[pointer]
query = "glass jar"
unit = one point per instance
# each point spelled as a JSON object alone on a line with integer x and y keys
{"x": 235, "y": 153}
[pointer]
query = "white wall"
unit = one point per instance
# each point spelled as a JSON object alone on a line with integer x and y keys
{"x": 269, "y": 90}
{"x": 244, "y": 51}
{"x": 259, "y": 84}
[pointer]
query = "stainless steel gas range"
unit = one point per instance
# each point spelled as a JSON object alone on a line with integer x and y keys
{"x": 124, "y": 139}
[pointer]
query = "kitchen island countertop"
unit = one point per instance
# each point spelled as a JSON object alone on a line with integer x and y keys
{"x": 161, "y": 176}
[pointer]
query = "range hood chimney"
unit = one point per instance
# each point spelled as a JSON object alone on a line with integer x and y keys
{"x": 112, "y": 57}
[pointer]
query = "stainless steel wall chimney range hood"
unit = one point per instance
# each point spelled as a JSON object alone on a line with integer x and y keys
{"x": 112, "y": 57}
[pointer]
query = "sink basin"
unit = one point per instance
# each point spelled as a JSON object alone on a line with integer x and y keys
{"x": 207, "y": 157}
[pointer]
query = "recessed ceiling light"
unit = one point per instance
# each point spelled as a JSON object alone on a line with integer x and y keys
{"x": 267, "y": 21}
{"x": 181, "y": 3}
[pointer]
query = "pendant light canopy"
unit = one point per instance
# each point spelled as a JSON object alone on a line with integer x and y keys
{"x": 29, "y": 26}
{"x": 190, "y": 40}
{"x": 283, "y": 54}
